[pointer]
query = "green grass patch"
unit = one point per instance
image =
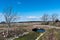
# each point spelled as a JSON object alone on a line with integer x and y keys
{"x": 30, "y": 36}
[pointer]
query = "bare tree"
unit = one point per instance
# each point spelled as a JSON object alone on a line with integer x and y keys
{"x": 9, "y": 16}
{"x": 54, "y": 17}
{"x": 45, "y": 17}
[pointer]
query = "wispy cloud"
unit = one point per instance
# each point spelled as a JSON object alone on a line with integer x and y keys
{"x": 31, "y": 17}
{"x": 18, "y": 2}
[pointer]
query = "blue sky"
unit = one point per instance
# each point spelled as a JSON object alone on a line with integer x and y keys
{"x": 30, "y": 10}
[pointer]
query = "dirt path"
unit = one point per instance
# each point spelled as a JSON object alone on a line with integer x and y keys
{"x": 40, "y": 36}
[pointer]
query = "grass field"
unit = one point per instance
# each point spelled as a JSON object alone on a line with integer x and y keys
{"x": 30, "y": 36}
{"x": 52, "y": 34}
